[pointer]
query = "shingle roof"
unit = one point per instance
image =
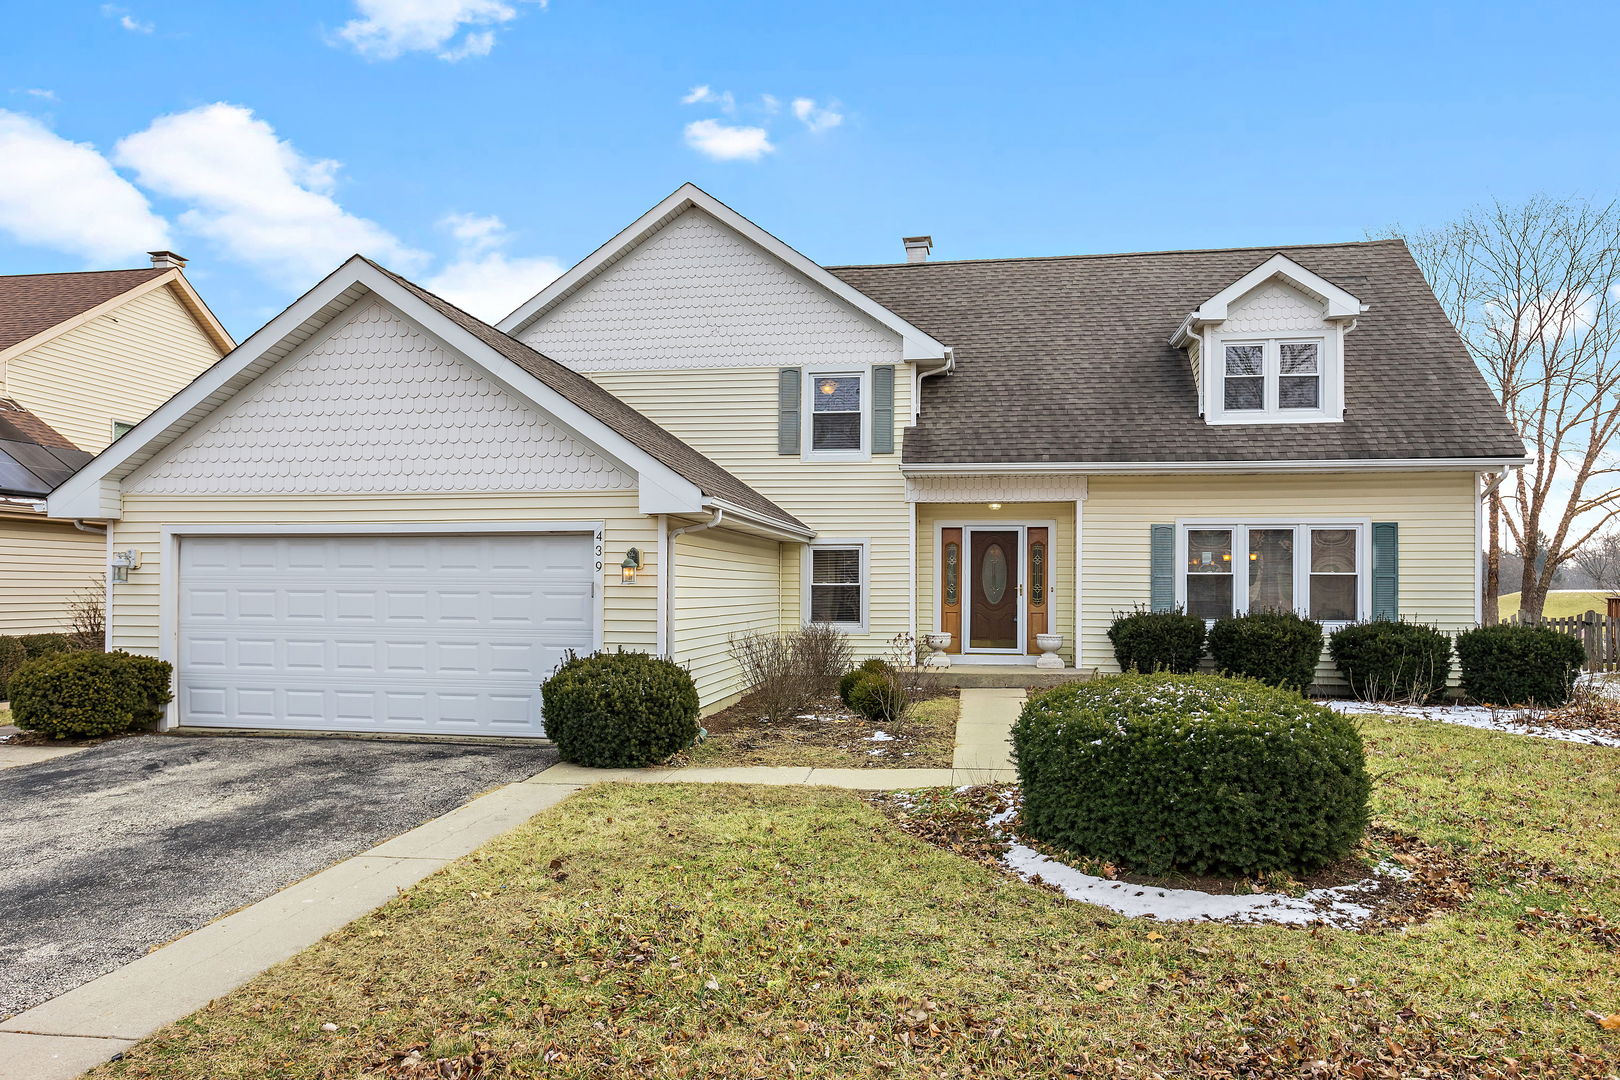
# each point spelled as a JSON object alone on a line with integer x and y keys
{"x": 34, "y": 457}
{"x": 30, "y": 303}
{"x": 1068, "y": 360}
{"x": 710, "y": 478}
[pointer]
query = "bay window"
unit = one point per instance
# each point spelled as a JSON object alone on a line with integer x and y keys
{"x": 1317, "y": 569}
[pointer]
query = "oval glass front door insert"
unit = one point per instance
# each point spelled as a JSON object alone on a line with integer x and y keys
{"x": 993, "y": 574}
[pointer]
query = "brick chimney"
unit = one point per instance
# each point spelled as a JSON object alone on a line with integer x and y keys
{"x": 917, "y": 248}
{"x": 165, "y": 260}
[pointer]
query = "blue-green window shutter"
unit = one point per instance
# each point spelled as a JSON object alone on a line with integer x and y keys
{"x": 1162, "y": 572}
{"x": 1386, "y": 570}
{"x": 788, "y": 382}
{"x": 883, "y": 409}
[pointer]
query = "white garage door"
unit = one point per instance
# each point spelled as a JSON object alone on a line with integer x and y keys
{"x": 447, "y": 635}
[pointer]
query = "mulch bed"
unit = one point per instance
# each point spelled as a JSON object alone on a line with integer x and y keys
{"x": 830, "y": 725}
{"x": 957, "y": 822}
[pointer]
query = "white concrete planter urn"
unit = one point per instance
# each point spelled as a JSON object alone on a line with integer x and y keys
{"x": 939, "y": 641}
{"x": 1049, "y": 644}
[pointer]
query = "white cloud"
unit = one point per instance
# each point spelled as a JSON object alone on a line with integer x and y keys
{"x": 724, "y": 142}
{"x": 255, "y": 195}
{"x": 44, "y": 95}
{"x": 388, "y": 29}
{"x": 770, "y": 104}
{"x": 817, "y": 118}
{"x": 65, "y": 195}
{"x": 703, "y": 95}
{"x": 126, "y": 20}
{"x": 482, "y": 278}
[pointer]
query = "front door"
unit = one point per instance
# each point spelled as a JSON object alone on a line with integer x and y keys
{"x": 995, "y": 590}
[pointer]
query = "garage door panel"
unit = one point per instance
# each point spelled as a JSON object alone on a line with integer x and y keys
{"x": 402, "y": 634}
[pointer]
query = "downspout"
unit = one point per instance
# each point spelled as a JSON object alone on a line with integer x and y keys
{"x": 1479, "y": 540}
{"x": 78, "y": 523}
{"x": 717, "y": 516}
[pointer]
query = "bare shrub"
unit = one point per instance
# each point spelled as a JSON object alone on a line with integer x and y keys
{"x": 87, "y": 619}
{"x": 825, "y": 652}
{"x": 904, "y": 680}
{"x": 773, "y": 669}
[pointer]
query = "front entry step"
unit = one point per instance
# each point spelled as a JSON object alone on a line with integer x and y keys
{"x": 989, "y": 676}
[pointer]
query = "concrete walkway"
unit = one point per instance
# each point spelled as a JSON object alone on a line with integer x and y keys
{"x": 97, "y": 1021}
{"x": 12, "y": 755}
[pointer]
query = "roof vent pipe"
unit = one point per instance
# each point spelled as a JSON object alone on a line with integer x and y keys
{"x": 917, "y": 248}
{"x": 167, "y": 260}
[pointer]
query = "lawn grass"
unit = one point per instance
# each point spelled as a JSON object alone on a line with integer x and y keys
{"x": 834, "y": 738}
{"x": 675, "y": 930}
{"x": 1561, "y": 603}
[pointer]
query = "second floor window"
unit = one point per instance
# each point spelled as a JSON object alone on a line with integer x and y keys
{"x": 837, "y": 413}
{"x": 1273, "y": 379}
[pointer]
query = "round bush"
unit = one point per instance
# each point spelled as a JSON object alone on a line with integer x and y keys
{"x": 846, "y": 684}
{"x": 88, "y": 695}
{"x": 1391, "y": 661}
{"x": 620, "y": 710}
{"x": 1278, "y": 648}
{"x": 1149, "y": 641}
{"x": 877, "y": 696}
{"x": 1196, "y": 773}
{"x": 1519, "y": 665}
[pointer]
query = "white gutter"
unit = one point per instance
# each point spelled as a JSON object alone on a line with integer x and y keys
{"x": 668, "y": 570}
{"x": 1320, "y": 465}
{"x": 775, "y": 527}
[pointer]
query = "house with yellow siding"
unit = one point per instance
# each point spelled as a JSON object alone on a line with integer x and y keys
{"x": 83, "y": 357}
{"x": 382, "y": 514}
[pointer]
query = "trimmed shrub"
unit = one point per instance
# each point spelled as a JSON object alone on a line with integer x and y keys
{"x": 1392, "y": 661}
{"x": 14, "y": 651}
{"x": 1519, "y": 665}
{"x": 1278, "y": 648}
{"x": 879, "y": 696}
{"x": 619, "y": 710}
{"x": 1197, "y": 773}
{"x": 88, "y": 695}
{"x": 846, "y": 685}
{"x": 1149, "y": 641}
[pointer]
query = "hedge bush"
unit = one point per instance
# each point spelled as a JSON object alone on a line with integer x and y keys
{"x": 619, "y": 710}
{"x": 846, "y": 684}
{"x": 1385, "y": 660}
{"x": 1197, "y": 773}
{"x": 89, "y": 694}
{"x": 1519, "y": 665}
{"x": 1278, "y": 648}
{"x": 15, "y": 651}
{"x": 1149, "y": 641}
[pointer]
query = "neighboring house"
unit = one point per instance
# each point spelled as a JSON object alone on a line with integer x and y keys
{"x": 83, "y": 357}
{"x": 381, "y": 514}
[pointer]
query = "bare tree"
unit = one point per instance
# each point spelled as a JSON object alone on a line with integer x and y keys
{"x": 1535, "y": 292}
{"x": 1599, "y": 559}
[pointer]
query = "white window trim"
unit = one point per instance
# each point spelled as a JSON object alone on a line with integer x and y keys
{"x": 807, "y": 569}
{"x": 1240, "y": 524}
{"x": 807, "y": 412}
{"x": 1329, "y": 369}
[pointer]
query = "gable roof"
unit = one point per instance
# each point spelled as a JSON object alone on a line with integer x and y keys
{"x": 32, "y": 303}
{"x": 34, "y": 457}
{"x": 915, "y": 344}
{"x": 672, "y": 475}
{"x": 1068, "y": 360}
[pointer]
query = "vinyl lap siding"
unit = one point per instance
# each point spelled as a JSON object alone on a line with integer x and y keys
{"x": 120, "y": 366}
{"x": 729, "y": 414}
{"x": 1438, "y": 548}
{"x": 725, "y": 583}
{"x": 44, "y": 565}
{"x": 631, "y": 611}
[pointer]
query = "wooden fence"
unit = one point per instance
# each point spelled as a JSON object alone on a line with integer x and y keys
{"x": 1599, "y": 634}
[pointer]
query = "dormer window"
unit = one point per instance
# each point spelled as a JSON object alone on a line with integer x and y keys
{"x": 1273, "y": 378}
{"x": 1268, "y": 348}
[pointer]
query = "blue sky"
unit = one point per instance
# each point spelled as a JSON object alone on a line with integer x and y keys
{"x": 480, "y": 145}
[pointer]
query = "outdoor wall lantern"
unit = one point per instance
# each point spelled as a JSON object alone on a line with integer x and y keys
{"x": 123, "y": 562}
{"x": 630, "y": 567}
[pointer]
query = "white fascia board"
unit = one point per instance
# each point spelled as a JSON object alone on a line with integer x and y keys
{"x": 760, "y": 524}
{"x": 915, "y": 345}
{"x": 1340, "y": 304}
{"x": 1319, "y": 465}
{"x": 661, "y": 489}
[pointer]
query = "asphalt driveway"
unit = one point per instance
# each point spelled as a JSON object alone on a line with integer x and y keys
{"x": 113, "y": 850}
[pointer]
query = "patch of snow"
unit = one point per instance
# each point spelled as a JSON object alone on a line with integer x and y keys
{"x": 1512, "y": 721}
{"x": 880, "y": 736}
